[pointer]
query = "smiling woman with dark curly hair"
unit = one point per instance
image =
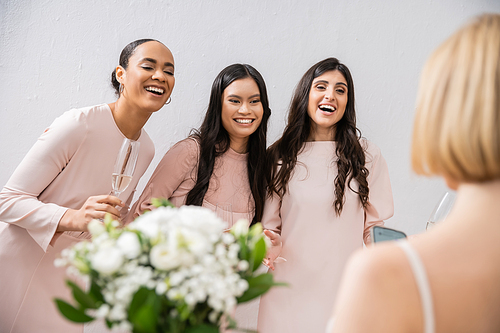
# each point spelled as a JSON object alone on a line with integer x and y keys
{"x": 327, "y": 188}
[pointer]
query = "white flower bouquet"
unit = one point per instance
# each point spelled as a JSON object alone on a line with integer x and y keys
{"x": 171, "y": 270}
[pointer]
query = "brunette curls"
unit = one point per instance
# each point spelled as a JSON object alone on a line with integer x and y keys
{"x": 214, "y": 141}
{"x": 282, "y": 155}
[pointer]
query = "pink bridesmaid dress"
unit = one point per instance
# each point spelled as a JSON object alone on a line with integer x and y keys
{"x": 71, "y": 161}
{"x": 316, "y": 242}
{"x": 176, "y": 173}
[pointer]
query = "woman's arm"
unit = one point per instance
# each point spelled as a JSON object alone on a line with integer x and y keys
{"x": 175, "y": 167}
{"x": 271, "y": 222}
{"x": 19, "y": 204}
{"x": 381, "y": 204}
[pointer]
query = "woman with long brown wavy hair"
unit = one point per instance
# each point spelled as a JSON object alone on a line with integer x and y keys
{"x": 327, "y": 188}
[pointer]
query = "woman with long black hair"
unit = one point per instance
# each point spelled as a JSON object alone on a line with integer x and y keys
{"x": 327, "y": 188}
{"x": 223, "y": 161}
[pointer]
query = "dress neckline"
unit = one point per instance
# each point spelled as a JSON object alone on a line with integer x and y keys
{"x": 106, "y": 106}
{"x": 235, "y": 155}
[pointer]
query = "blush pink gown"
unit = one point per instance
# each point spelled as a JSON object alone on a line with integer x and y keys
{"x": 71, "y": 161}
{"x": 176, "y": 173}
{"x": 175, "y": 176}
{"x": 316, "y": 242}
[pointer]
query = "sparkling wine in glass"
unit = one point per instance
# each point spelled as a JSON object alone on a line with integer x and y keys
{"x": 124, "y": 166}
{"x": 224, "y": 211}
{"x": 442, "y": 209}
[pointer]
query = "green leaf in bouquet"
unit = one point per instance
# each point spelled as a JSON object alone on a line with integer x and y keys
{"x": 145, "y": 319}
{"x": 184, "y": 311}
{"x": 258, "y": 254}
{"x": 257, "y": 286}
{"x": 85, "y": 300}
{"x": 161, "y": 202}
{"x": 143, "y": 311}
{"x": 244, "y": 250}
{"x": 203, "y": 328}
{"x": 95, "y": 292}
{"x": 71, "y": 313}
{"x": 140, "y": 297}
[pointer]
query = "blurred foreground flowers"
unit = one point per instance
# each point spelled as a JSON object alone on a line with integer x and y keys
{"x": 171, "y": 270}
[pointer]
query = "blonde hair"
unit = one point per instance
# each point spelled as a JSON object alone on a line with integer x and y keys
{"x": 457, "y": 124}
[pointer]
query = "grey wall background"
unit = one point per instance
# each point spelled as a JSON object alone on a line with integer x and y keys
{"x": 56, "y": 55}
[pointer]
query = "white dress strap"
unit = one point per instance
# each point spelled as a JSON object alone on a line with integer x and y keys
{"x": 422, "y": 283}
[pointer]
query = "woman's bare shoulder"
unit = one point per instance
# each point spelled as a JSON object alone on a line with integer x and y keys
{"x": 378, "y": 288}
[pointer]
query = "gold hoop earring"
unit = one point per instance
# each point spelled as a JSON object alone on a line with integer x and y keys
{"x": 169, "y": 100}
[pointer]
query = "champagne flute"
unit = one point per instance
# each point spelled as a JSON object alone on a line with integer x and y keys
{"x": 442, "y": 209}
{"x": 124, "y": 166}
{"x": 224, "y": 211}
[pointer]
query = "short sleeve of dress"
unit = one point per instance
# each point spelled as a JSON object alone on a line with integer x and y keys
{"x": 271, "y": 217}
{"x": 173, "y": 169}
{"x": 19, "y": 204}
{"x": 381, "y": 204}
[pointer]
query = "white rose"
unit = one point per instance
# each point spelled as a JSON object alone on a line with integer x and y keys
{"x": 149, "y": 224}
{"x": 107, "y": 260}
{"x": 96, "y": 227}
{"x": 197, "y": 243}
{"x": 162, "y": 257}
{"x": 129, "y": 244}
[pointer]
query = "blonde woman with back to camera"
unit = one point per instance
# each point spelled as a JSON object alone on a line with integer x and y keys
{"x": 447, "y": 280}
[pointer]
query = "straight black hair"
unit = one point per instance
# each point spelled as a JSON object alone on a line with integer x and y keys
{"x": 214, "y": 139}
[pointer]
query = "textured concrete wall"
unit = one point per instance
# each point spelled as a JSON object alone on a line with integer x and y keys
{"x": 55, "y": 55}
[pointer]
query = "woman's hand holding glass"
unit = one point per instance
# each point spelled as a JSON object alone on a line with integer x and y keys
{"x": 95, "y": 207}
